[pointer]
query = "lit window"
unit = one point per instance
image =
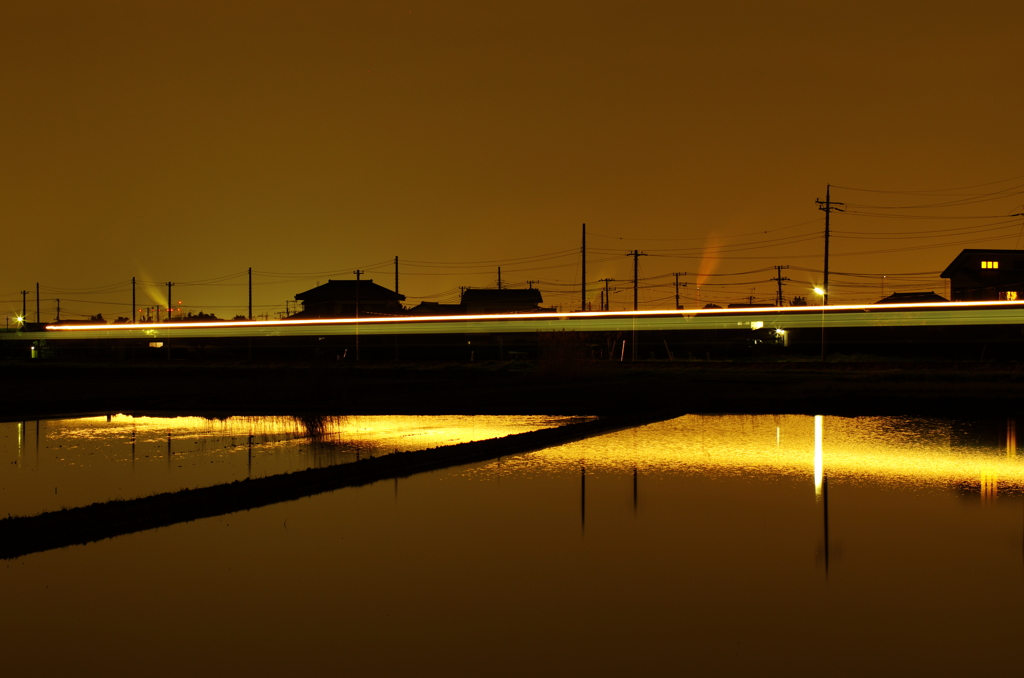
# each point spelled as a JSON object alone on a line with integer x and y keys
{"x": 990, "y": 264}
{"x": 1008, "y": 296}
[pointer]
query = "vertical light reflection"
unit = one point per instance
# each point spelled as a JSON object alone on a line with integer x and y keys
{"x": 989, "y": 487}
{"x": 583, "y": 498}
{"x": 635, "y": 474}
{"x": 1011, "y": 438}
{"x": 21, "y": 440}
{"x": 818, "y": 466}
{"x": 635, "y": 489}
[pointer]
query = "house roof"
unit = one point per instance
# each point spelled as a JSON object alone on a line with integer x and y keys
{"x": 503, "y": 296}
{"x": 435, "y": 308}
{"x": 911, "y": 298}
{"x": 959, "y": 260}
{"x": 345, "y": 290}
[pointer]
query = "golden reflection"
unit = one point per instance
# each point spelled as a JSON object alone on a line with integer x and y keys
{"x": 920, "y": 451}
{"x": 989, "y": 487}
{"x": 100, "y": 458}
{"x": 1011, "y": 438}
{"x": 403, "y": 432}
{"x": 818, "y": 461}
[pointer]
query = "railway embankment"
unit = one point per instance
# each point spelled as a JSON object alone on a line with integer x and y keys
{"x": 48, "y": 389}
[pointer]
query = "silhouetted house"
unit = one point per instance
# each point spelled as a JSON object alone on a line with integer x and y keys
{"x": 488, "y": 301}
{"x": 349, "y": 299}
{"x": 911, "y": 298}
{"x": 986, "y": 275}
{"x": 435, "y": 308}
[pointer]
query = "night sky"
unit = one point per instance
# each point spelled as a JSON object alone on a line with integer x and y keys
{"x": 189, "y": 141}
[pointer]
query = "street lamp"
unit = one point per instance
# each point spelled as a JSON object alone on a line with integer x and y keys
{"x": 820, "y": 291}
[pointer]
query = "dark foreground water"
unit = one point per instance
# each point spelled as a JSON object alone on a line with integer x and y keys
{"x": 706, "y": 545}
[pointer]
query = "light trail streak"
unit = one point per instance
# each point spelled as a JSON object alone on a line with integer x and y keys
{"x": 858, "y": 315}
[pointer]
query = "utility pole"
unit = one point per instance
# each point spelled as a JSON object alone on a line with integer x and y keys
{"x": 396, "y": 274}
{"x": 778, "y": 278}
{"x": 583, "y": 271}
{"x": 250, "y": 293}
{"x": 530, "y": 283}
{"x": 38, "y": 317}
{"x": 133, "y": 300}
{"x": 170, "y": 301}
{"x": 24, "y": 311}
{"x": 636, "y": 276}
{"x": 827, "y": 206}
{"x": 607, "y": 298}
{"x": 499, "y": 277}
{"x": 677, "y": 287}
{"x": 58, "y": 310}
{"x": 636, "y": 254}
{"x": 358, "y": 277}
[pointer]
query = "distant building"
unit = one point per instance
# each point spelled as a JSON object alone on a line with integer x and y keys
{"x": 911, "y": 298}
{"x": 489, "y": 301}
{"x": 435, "y": 308}
{"x": 986, "y": 275}
{"x": 349, "y": 299}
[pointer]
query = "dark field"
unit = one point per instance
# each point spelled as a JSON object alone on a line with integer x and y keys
{"x": 586, "y": 388}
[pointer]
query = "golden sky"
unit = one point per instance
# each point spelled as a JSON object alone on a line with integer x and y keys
{"x": 188, "y": 141}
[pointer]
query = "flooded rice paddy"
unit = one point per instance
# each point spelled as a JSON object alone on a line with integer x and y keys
{"x": 47, "y": 465}
{"x": 716, "y": 545}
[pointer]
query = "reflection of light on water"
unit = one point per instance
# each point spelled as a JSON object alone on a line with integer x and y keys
{"x": 99, "y": 458}
{"x": 818, "y": 420}
{"x": 403, "y": 432}
{"x": 1011, "y": 438}
{"x": 989, "y": 486}
{"x": 887, "y": 450}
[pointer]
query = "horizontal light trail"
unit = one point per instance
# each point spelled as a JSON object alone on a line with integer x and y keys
{"x": 786, "y": 318}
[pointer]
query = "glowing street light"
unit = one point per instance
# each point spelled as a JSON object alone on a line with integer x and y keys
{"x": 820, "y": 291}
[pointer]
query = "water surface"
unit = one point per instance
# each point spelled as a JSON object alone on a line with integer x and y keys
{"x": 47, "y": 465}
{"x": 708, "y": 545}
